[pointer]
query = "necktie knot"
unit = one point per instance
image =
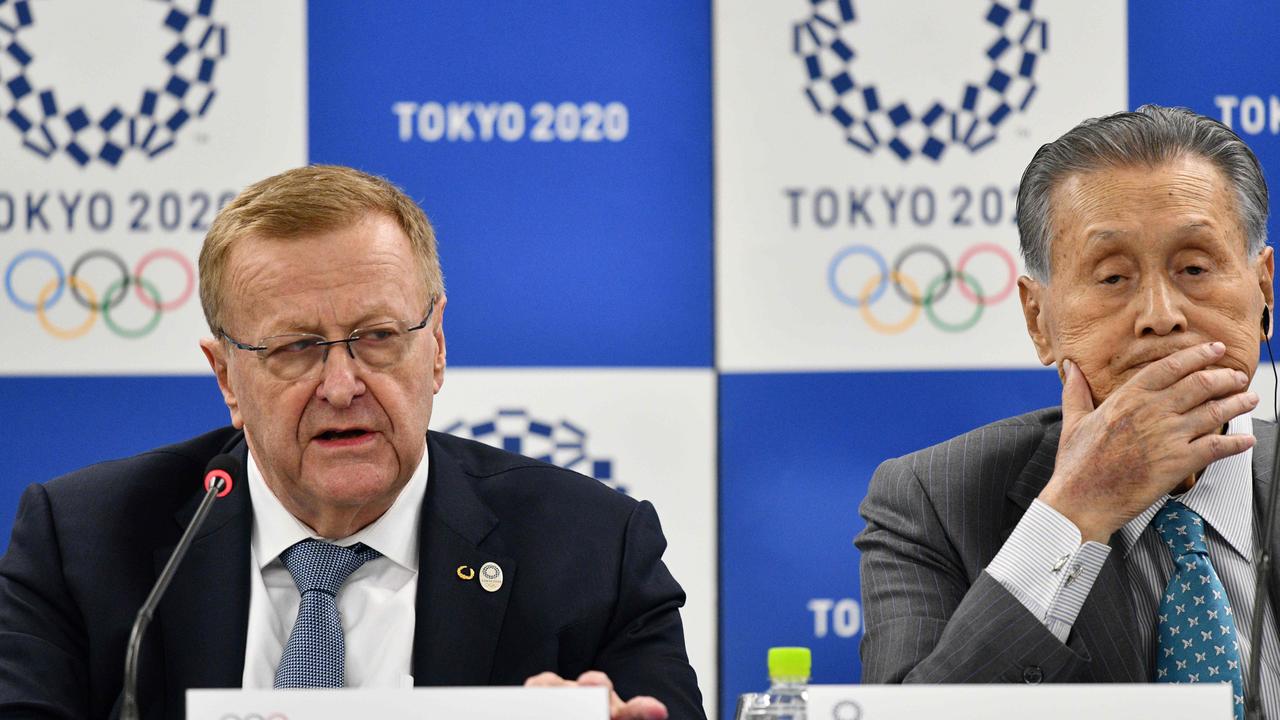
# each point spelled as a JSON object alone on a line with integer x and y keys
{"x": 1182, "y": 530}
{"x": 318, "y": 565}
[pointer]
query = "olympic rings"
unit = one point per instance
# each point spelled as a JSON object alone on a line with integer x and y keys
{"x": 1008, "y": 261}
{"x": 909, "y": 290}
{"x": 119, "y": 286}
{"x": 117, "y": 291}
{"x": 835, "y": 265}
{"x": 946, "y": 271}
{"x": 42, "y": 255}
{"x": 182, "y": 263}
{"x": 977, "y": 306}
{"x": 42, "y": 303}
{"x": 906, "y": 322}
{"x": 108, "y": 255}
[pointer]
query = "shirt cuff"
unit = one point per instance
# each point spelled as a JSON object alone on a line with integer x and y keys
{"x": 1044, "y": 565}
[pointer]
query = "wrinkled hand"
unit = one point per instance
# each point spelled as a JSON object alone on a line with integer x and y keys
{"x": 1155, "y": 431}
{"x": 640, "y": 707}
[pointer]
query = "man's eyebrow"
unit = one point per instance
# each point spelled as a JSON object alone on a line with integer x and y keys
{"x": 1102, "y": 236}
{"x": 1194, "y": 225}
{"x": 372, "y": 317}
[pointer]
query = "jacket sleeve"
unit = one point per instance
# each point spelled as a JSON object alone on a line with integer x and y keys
{"x": 43, "y": 647}
{"x": 929, "y": 620}
{"x": 643, "y": 651}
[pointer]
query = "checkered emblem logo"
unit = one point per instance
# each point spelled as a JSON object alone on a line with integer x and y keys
{"x": 147, "y": 116}
{"x": 562, "y": 442}
{"x": 872, "y": 116}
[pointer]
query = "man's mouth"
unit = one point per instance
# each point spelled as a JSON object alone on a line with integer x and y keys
{"x": 1140, "y": 360}
{"x": 343, "y": 434}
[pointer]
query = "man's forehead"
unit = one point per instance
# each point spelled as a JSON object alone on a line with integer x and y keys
{"x": 350, "y": 275}
{"x": 1113, "y": 203}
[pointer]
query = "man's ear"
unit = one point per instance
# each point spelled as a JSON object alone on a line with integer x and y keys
{"x": 1266, "y": 266}
{"x": 439, "y": 361}
{"x": 216, "y": 353}
{"x": 1033, "y": 295}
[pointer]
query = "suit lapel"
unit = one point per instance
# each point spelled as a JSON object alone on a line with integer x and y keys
{"x": 1263, "y": 455}
{"x": 204, "y": 616}
{"x": 458, "y": 621}
{"x": 1105, "y": 621}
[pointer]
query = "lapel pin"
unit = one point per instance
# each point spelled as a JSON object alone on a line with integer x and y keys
{"x": 465, "y": 572}
{"x": 491, "y": 577}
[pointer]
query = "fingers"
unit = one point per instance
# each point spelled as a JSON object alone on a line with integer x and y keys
{"x": 1216, "y": 446}
{"x": 1077, "y": 397}
{"x": 1204, "y": 385}
{"x": 546, "y": 679}
{"x": 595, "y": 678}
{"x": 641, "y": 707}
{"x": 1210, "y": 416}
{"x": 1168, "y": 370}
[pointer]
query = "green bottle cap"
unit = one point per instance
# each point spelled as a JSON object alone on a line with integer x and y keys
{"x": 790, "y": 662}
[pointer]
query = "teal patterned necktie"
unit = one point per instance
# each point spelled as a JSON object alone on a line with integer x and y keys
{"x": 1197, "y": 632}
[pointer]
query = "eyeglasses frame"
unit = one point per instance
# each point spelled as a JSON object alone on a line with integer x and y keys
{"x": 325, "y": 343}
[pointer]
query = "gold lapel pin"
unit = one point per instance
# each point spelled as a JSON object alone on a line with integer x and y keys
{"x": 465, "y": 572}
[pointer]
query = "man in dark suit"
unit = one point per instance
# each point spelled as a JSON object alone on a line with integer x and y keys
{"x": 357, "y": 549}
{"x": 1041, "y": 548}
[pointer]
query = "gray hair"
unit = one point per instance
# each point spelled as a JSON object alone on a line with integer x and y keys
{"x": 1150, "y": 136}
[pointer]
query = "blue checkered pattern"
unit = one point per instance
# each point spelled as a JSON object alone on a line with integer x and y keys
{"x": 1197, "y": 633}
{"x": 315, "y": 656}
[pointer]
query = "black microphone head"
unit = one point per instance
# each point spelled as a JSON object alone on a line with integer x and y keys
{"x": 1266, "y": 320}
{"x": 225, "y": 467}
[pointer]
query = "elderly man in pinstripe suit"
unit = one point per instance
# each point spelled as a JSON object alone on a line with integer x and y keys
{"x": 1034, "y": 549}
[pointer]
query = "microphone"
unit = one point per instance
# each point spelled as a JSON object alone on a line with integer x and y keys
{"x": 219, "y": 477}
{"x": 1253, "y": 695}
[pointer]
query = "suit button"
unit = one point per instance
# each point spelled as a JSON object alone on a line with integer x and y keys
{"x": 1032, "y": 675}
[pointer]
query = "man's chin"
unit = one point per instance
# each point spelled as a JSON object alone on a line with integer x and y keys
{"x": 350, "y": 482}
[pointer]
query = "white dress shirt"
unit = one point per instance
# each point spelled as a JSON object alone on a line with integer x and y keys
{"x": 1045, "y": 565}
{"x": 376, "y": 603}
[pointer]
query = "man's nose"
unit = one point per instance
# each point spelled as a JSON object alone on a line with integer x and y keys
{"x": 340, "y": 376}
{"x": 1161, "y": 312}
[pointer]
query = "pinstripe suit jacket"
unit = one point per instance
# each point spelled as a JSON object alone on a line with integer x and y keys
{"x": 937, "y": 517}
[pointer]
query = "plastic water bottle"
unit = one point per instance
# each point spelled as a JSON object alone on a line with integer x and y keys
{"x": 788, "y": 687}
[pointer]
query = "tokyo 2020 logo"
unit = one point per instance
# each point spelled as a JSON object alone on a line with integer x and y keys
{"x": 144, "y": 119}
{"x": 874, "y": 116}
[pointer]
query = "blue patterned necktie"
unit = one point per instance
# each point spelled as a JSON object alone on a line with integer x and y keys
{"x": 1197, "y": 632}
{"x": 315, "y": 656}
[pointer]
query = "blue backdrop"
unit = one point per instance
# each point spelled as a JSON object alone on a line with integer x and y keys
{"x": 599, "y": 253}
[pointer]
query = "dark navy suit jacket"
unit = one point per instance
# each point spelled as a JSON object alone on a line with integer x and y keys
{"x": 584, "y": 584}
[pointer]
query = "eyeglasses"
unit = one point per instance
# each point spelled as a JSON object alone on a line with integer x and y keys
{"x": 289, "y": 357}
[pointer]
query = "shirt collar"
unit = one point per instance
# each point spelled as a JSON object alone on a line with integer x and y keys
{"x": 1223, "y": 489}
{"x": 395, "y": 534}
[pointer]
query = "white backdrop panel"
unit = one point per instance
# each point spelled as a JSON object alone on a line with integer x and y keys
{"x": 150, "y": 199}
{"x": 803, "y": 212}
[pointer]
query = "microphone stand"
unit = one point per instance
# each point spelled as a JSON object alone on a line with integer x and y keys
{"x": 129, "y": 708}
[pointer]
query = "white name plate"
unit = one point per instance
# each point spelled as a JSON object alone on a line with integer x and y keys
{"x": 1204, "y": 701}
{"x": 469, "y": 703}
